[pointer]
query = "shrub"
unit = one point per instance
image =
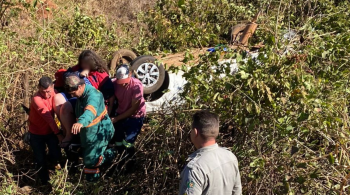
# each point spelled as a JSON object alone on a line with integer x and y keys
{"x": 289, "y": 112}
{"x": 176, "y": 25}
{"x": 286, "y": 118}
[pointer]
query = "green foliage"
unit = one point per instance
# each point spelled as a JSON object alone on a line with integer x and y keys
{"x": 178, "y": 24}
{"x": 4, "y": 6}
{"x": 8, "y": 187}
{"x": 289, "y": 112}
{"x": 34, "y": 47}
{"x": 85, "y": 31}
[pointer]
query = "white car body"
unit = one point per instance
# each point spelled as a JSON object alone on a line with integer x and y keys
{"x": 172, "y": 97}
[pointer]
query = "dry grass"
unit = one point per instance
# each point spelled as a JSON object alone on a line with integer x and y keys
{"x": 31, "y": 47}
{"x": 124, "y": 14}
{"x": 120, "y": 11}
{"x": 26, "y": 57}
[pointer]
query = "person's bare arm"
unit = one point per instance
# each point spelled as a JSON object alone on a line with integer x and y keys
{"x": 84, "y": 73}
{"x": 132, "y": 110}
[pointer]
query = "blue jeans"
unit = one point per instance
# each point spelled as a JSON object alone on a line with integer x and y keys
{"x": 38, "y": 144}
{"x": 126, "y": 131}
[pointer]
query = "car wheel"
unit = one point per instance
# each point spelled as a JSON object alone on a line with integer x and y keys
{"x": 122, "y": 56}
{"x": 160, "y": 92}
{"x": 150, "y": 72}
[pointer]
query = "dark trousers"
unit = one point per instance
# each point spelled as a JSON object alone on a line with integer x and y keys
{"x": 126, "y": 131}
{"x": 38, "y": 144}
{"x": 73, "y": 152}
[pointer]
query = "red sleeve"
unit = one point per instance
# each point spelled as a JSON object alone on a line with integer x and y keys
{"x": 101, "y": 78}
{"x": 75, "y": 68}
{"x": 44, "y": 112}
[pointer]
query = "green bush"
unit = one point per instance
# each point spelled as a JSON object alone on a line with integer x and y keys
{"x": 289, "y": 112}
{"x": 286, "y": 119}
{"x": 85, "y": 31}
{"x": 177, "y": 25}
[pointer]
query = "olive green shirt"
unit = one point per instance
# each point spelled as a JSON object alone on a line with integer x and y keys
{"x": 211, "y": 170}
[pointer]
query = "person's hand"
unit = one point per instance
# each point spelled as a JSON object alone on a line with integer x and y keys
{"x": 60, "y": 138}
{"x": 76, "y": 128}
{"x": 84, "y": 73}
{"x": 114, "y": 119}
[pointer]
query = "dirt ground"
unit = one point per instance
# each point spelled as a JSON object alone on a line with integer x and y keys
{"x": 176, "y": 59}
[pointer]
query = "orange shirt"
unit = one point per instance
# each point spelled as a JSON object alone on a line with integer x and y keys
{"x": 41, "y": 115}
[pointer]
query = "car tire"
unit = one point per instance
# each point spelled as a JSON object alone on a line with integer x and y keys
{"x": 122, "y": 56}
{"x": 150, "y": 72}
{"x": 160, "y": 92}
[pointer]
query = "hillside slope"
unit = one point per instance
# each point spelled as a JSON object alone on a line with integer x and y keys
{"x": 285, "y": 118}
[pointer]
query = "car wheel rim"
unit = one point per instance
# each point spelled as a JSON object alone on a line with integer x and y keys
{"x": 148, "y": 73}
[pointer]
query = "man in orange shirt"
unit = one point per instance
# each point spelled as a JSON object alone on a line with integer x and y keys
{"x": 43, "y": 128}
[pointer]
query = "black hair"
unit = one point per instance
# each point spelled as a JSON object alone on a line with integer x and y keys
{"x": 45, "y": 82}
{"x": 207, "y": 123}
{"x": 96, "y": 63}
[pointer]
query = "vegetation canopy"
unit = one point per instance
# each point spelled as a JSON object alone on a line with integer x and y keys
{"x": 284, "y": 114}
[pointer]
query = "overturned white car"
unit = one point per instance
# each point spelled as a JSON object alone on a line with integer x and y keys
{"x": 162, "y": 89}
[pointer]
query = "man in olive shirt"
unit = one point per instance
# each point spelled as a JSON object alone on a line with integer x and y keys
{"x": 212, "y": 169}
